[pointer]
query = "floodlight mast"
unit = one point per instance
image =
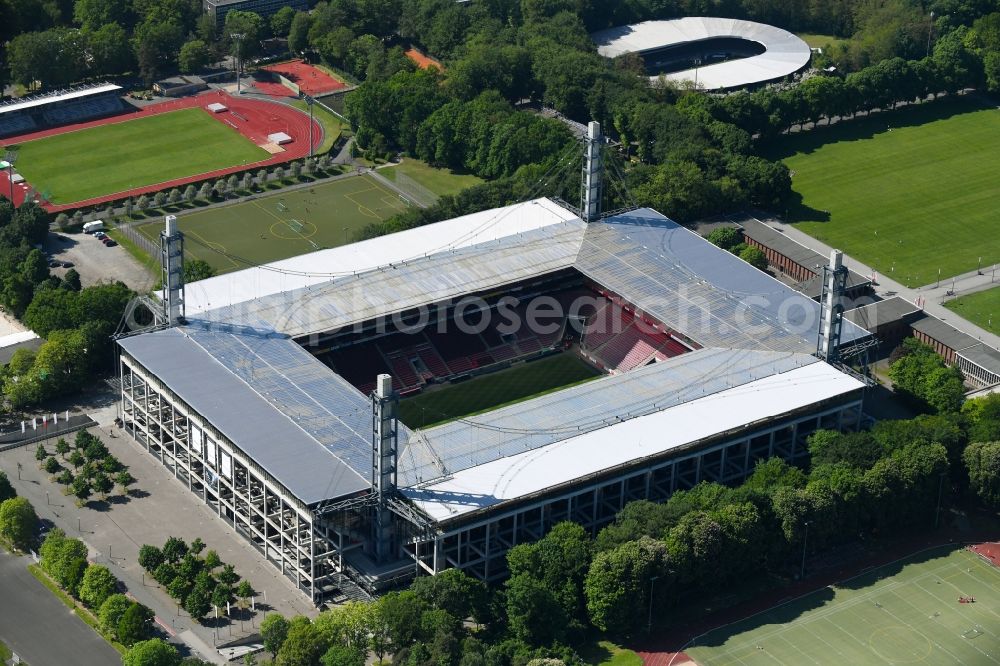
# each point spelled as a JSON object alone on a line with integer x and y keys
{"x": 238, "y": 38}
{"x": 590, "y": 199}
{"x": 172, "y": 265}
{"x": 385, "y": 427}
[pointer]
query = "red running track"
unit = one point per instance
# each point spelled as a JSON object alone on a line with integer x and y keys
{"x": 311, "y": 80}
{"x": 253, "y": 118}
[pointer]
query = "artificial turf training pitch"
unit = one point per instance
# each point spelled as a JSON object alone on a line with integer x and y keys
{"x": 112, "y": 158}
{"x": 488, "y": 392}
{"x": 903, "y": 613}
{"x": 285, "y": 224}
{"x": 908, "y": 192}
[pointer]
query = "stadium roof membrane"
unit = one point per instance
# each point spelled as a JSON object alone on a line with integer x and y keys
{"x": 62, "y": 96}
{"x": 784, "y": 53}
{"x": 239, "y": 367}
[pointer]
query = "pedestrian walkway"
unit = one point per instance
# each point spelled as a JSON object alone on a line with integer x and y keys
{"x": 931, "y": 297}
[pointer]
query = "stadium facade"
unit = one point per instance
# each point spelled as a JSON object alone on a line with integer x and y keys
{"x": 709, "y": 53}
{"x": 274, "y": 393}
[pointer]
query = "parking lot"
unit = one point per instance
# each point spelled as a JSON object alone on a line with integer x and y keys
{"x": 96, "y": 263}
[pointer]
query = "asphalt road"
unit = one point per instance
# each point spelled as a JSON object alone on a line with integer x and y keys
{"x": 39, "y": 628}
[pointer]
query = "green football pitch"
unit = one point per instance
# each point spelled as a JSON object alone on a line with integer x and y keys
{"x": 113, "y": 158}
{"x": 488, "y": 392}
{"x": 283, "y": 225}
{"x": 907, "y": 192}
{"x": 981, "y": 308}
{"x": 903, "y": 613}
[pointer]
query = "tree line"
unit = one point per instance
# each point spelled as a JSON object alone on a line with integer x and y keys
{"x": 896, "y": 478}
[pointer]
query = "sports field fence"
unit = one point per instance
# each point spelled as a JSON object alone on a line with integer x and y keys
{"x": 414, "y": 190}
{"x": 149, "y": 247}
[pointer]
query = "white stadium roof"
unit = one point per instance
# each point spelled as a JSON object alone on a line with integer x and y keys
{"x": 784, "y": 53}
{"x": 630, "y": 441}
{"x": 61, "y": 96}
{"x": 236, "y": 363}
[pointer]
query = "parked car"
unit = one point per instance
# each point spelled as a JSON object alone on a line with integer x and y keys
{"x": 111, "y": 243}
{"x": 100, "y": 235}
{"x": 68, "y": 264}
{"x": 54, "y": 264}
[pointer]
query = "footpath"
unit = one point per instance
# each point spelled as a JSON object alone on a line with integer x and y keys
{"x": 933, "y": 295}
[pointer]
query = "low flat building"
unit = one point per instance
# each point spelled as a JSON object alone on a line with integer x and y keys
{"x": 219, "y": 8}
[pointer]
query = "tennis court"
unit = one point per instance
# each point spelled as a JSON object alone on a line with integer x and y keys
{"x": 285, "y": 224}
{"x": 903, "y": 613}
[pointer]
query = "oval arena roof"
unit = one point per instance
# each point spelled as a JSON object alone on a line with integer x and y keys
{"x": 784, "y": 53}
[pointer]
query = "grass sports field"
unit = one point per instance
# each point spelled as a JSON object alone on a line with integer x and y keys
{"x": 438, "y": 181}
{"x": 981, "y": 308}
{"x": 903, "y": 613}
{"x": 488, "y": 392}
{"x": 906, "y": 202}
{"x": 285, "y": 224}
{"x": 112, "y": 158}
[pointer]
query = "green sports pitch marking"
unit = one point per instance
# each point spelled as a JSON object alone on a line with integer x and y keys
{"x": 259, "y": 231}
{"x": 903, "y": 613}
{"x": 488, "y": 392}
{"x": 113, "y": 158}
{"x": 908, "y": 192}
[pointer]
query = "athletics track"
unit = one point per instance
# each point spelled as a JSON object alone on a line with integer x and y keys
{"x": 253, "y": 118}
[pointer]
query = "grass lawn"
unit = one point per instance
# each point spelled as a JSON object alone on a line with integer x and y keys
{"x": 907, "y": 612}
{"x": 906, "y": 201}
{"x": 113, "y": 158}
{"x": 606, "y": 653}
{"x": 284, "y": 224}
{"x": 981, "y": 308}
{"x": 817, "y": 41}
{"x": 487, "y": 392}
{"x": 333, "y": 126}
{"x": 438, "y": 181}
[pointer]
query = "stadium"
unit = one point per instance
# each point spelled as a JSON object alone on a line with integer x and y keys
{"x": 275, "y": 392}
{"x": 710, "y": 53}
{"x": 121, "y": 151}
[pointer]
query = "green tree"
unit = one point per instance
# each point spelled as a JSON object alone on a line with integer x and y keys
{"x": 62, "y": 447}
{"x": 76, "y": 459}
{"x": 755, "y": 257}
{"x": 982, "y": 462}
{"x": 81, "y": 488}
{"x": 617, "y": 586}
{"x": 18, "y": 522}
{"x": 212, "y": 560}
{"x": 111, "y": 612}
{"x": 725, "y": 237}
{"x": 221, "y": 595}
{"x": 455, "y": 592}
{"x": 298, "y": 32}
{"x": 156, "y": 45}
{"x": 40, "y": 455}
{"x": 51, "y": 465}
{"x": 197, "y": 269}
{"x": 193, "y": 56}
{"x": 124, "y": 479}
{"x": 135, "y": 625}
{"x": 198, "y": 604}
{"x": 273, "y": 631}
{"x": 228, "y": 575}
{"x": 109, "y": 50}
{"x": 102, "y": 484}
{"x": 153, "y": 652}
{"x": 92, "y": 14}
{"x": 343, "y": 655}
{"x": 281, "y": 21}
{"x": 6, "y": 490}
{"x": 244, "y": 591}
{"x": 174, "y": 549}
{"x": 150, "y": 557}
{"x": 303, "y": 645}
{"x": 97, "y": 585}
{"x": 534, "y": 613}
{"x": 248, "y": 24}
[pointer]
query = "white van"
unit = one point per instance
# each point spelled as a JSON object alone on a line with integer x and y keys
{"x": 91, "y": 227}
